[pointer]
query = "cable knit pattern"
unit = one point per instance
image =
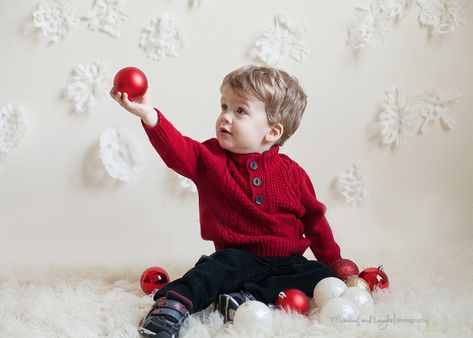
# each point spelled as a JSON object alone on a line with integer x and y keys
{"x": 261, "y": 203}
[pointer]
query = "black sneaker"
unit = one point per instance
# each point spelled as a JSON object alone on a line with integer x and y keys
{"x": 164, "y": 320}
{"x": 227, "y": 304}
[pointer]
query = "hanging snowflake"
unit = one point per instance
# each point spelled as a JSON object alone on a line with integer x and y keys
{"x": 351, "y": 185}
{"x": 88, "y": 85}
{"x": 194, "y": 3}
{"x": 161, "y": 38}
{"x": 282, "y": 40}
{"x": 371, "y": 25}
{"x": 394, "y": 9}
{"x": 403, "y": 116}
{"x": 433, "y": 108}
{"x": 119, "y": 155}
{"x": 12, "y": 128}
{"x": 106, "y": 16}
{"x": 444, "y": 16}
{"x": 368, "y": 28}
{"x": 398, "y": 119}
{"x": 187, "y": 184}
{"x": 55, "y": 18}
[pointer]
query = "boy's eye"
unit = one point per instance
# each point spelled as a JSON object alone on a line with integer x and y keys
{"x": 224, "y": 107}
{"x": 241, "y": 110}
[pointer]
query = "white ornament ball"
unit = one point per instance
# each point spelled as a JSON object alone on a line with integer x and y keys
{"x": 361, "y": 298}
{"x": 327, "y": 289}
{"x": 253, "y": 315}
{"x": 339, "y": 312}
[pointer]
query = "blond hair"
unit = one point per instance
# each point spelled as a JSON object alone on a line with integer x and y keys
{"x": 283, "y": 97}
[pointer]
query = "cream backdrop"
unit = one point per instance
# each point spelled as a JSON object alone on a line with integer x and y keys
{"x": 57, "y": 205}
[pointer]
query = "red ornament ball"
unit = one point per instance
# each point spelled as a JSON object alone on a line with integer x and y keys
{"x": 293, "y": 300}
{"x": 375, "y": 277}
{"x": 344, "y": 268}
{"x": 132, "y": 81}
{"x": 153, "y": 278}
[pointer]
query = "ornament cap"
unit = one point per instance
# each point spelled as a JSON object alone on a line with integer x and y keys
{"x": 381, "y": 267}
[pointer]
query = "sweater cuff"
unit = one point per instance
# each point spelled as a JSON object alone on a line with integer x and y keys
{"x": 330, "y": 260}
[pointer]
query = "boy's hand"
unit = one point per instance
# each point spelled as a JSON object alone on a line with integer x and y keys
{"x": 141, "y": 107}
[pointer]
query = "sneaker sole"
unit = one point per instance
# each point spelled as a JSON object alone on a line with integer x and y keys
{"x": 147, "y": 333}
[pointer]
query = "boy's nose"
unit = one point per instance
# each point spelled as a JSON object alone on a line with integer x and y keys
{"x": 226, "y": 117}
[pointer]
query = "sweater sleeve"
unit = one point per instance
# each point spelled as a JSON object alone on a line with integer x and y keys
{"x": 316, "y": 226}
{"x": 180, "y": 153}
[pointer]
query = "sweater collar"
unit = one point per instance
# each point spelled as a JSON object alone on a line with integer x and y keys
{"x": 243, "y": 160}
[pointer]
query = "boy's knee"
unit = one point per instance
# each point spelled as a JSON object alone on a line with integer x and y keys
{"x": 326, "y": 271}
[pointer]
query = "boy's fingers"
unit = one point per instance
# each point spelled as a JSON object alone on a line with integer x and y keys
{"x": 125, "y": 99}
{"x": 113, "y": 94}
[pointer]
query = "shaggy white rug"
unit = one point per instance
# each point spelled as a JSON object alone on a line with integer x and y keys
{"x": 430, "y": 296}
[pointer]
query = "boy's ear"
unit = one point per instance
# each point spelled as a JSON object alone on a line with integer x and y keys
{"x": 275, "y": 132}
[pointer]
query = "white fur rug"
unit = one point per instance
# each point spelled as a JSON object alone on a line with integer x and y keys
{"x": 430, "y": 295}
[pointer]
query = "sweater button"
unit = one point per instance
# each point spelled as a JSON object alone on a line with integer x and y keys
{"x": 259, "y": 200}
{"x": 253, "y": 165}
{"x": 256, "y": 181}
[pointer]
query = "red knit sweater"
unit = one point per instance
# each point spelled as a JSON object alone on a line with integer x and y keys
{"x": 261, "y": 203}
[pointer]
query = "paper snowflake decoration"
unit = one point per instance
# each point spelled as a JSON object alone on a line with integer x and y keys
{"x": 12, "y": 127}
{"x": 119, "y": 155}
{"x": 89, "y": 83}
{"x": 368, "y": 29}
{"x": 435, "y": 109}
{"x": 370, "y": 25}
{"x": 403, "y": 116}
{"x": 443, "y": 16}
{"x": 398, "y": 118}
{"x": 161, "y": 38}
{"x": 283, "y": 40}
{"x": 394, "y": 9}
{"x": 195, "y": 3}
{"x": 106, "y": 16}
{"x": 55, "y": 18}
{"x": 351, "y": 185}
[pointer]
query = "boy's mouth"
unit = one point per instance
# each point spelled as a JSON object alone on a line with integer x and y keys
{"x": 225, "y": 130}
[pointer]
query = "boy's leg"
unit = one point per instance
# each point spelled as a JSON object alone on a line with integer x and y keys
{"x": 220, "y": 272}
{"x": 223, "y": 271}
{"x": 289, "y": 272}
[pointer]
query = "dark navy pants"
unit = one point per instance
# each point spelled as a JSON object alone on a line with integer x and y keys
{"x": 234, "y": 270}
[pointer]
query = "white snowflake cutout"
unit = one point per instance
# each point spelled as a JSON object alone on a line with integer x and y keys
{"x": 403, "y": 116}
{"x": 278, "y": 42}
{"x": 443, "y": 16}
{"x": 119, "y": 155}
{"x": 88, "y": 85}
{"x": 398, "y": 118}
{"x": 351, "y": 185}
{"x": 55, "y": 18}
{"x": 371, "y": 25}
{"x": 161, "y": 38}
{"x": 12, "y": 127}
{"x": 106, "y": 16}
{"x": 433, "y": 108}
{"x": 187, "y": 184}
{"x": 195, "y": 3}
{"x": 368, "y": 29}
{"x": 394, "y": 9}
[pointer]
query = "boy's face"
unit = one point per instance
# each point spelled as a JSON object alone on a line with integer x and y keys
{"x": 242, "y": 125}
